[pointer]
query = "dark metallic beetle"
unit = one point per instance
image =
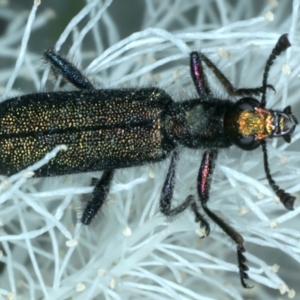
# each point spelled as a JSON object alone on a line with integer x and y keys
{"x": 118, "y": 128}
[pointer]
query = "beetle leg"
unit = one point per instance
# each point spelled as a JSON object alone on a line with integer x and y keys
{"x": 167, "y": 195}
{"x": 231, "y": 90}
{"x": 98, "y": 197}
{"x": 198, "y": 75}
{"x": 204, "y": 181}
{"x": 67, "y": 70}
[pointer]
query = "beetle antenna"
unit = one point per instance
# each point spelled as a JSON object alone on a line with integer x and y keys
{"x": 282, "y": 44}
{"x": 286, "y": 199}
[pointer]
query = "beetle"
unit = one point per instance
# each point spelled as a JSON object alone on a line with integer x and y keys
{"x": 108, "y": 129}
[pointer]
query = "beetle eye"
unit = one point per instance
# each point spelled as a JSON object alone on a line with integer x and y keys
{"x": 248, "y": 104}
{"x": 247, "y": 143}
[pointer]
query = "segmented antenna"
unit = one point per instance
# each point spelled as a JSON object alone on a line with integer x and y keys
{"x": 282, "y": 44}
{"x": 286, "y": 199}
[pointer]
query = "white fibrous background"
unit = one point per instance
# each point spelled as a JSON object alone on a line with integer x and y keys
{"x": 131, "y": 251}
